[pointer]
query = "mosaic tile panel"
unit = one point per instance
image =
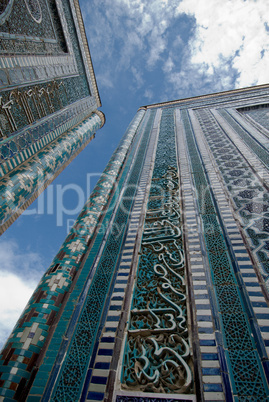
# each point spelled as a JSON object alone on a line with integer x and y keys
{"x": 41, "y": 311}
{"x": 54, "y": 49}
{"x": 157, "y": 354}
{"x": 61, "y": 76}
{"x": 31, "y": 28}
{"x": 257, "y": 131}
{"x": 250, "y": 198}
{"x": 260, "y": 115}
{"x": 250, "y": 282}
{"x": 247, "y": 152}
{"x": 20, "y": 108}
{"x": 239, "y": 344}
{"x": 18, "y": 148}
{"x": 26, "y": 182}
{"x": 254, "y": 144}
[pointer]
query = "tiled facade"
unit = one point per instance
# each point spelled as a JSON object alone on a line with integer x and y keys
{"x": 47, "y": 88}
{"x": 160, "y": 290}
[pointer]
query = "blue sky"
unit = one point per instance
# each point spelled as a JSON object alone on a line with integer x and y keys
{"x": 143, "y": 52}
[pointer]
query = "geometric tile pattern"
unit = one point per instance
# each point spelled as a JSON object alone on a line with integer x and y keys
{"x": 19, "y": 187}
{"x": 56, "y": 282}
{"x": 20, "y": 147}
{"x": 253, "y": 143}
{"x": 260, "y": 115}
{"x": 234, "y": 321}
{"x": 250, "y": 197}
{"x": 251, "y": 283}
{"x": 248, "y": 151}
{"x": 35, "y": 87}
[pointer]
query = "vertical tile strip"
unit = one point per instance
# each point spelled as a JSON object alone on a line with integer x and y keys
{"x": 157, "y": 357}
{"x": 204, "y": 306}
{"x": 252, "y": 284}
{"x": 111, "y": 338}
{"x": 239, "y": 344}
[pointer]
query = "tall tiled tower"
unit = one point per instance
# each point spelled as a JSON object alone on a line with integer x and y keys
{"x": 48, "y": 97}
{"x": 160, "y": 290}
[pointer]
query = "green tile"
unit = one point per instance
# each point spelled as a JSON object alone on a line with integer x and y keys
{"x": 32, "y": 398}
{"x": 37, "y": 390}
{"x": 41, "y": 382}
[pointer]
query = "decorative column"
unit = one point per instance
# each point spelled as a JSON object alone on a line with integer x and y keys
{"x": 19, "y": 188}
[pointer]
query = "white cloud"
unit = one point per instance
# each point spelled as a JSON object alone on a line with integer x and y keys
{"x": 149, "y": 95}
{"x": 104, "y": 80}
{"x": 230, "y": 33}
{"x": 168, "y": 65}
{"x": 181, "y": 48}
{"x": 138, "y": 77}
{"x": 19, "y": 275}
{"x": 128, "y": 33}
{"x": 14, "y": 295}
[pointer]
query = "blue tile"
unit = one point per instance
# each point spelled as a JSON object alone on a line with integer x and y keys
{"x": 253, "y": 284}
{"x": 204, "y": 318}
{"x": 201, "y": 297}
{"x": 266, "y": 368}
{"x": 112, "y": 329}
{"x": 262, "y": 316}
{"x": 209, "y": 342}
{"x": 244, "y": 251}
{"x": 115, "y": 307}
{"x": 259, "y": 304}
{"x": 113, "y": 318}
{"x": 96, "y": 396}
{"x": 264, "y": 328}
{"x": 210, "y": 371}
{"x": 210, "y": 356}
{"x": 105, "y": 352}
{"x": 108, "y": 339}
{"x": 205, "y": 330}
{"x": 252, "y": 293}
{"x": 98, "y": 380}
{"x": 250, "y": 275}
{"x": 102, "y": 365}
{"x": 202, "y": 306}
{"x": 212, "y": 387}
